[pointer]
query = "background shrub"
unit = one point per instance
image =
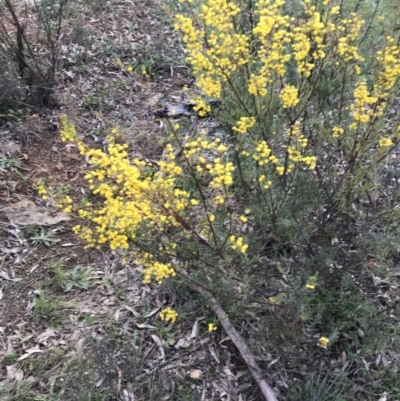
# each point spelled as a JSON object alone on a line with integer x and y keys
{"x": 31, "y": 50}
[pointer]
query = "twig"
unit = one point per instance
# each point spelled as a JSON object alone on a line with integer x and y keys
{"x": 237, "y": 339}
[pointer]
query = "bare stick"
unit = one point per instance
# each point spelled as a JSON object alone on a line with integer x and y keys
{"x": 236, "y": 338}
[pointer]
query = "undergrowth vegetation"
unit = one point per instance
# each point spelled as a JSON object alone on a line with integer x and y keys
{"x": 33, "y": 36}
{"x": 287, "y": 215}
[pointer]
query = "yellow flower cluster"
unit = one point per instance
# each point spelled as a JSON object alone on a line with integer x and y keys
{"x": 195, "y": 146}
{"x": 222, "y": 173}
{"x": 273, "y": 32}
{"x": 223, "y": 50}
{"x": 244, "y": 124}
{"x": 65, "y": 203}
{"x": 303, "y": 141}
{"x": 168, "y": 314}
{"x": 281, "y": 169}
{"x": 154, "y": 270}
{"x": 301, "y": 47}
{"x": 347, "y": 44}
{"x": 296, "y": 138}
{"x": 237, "y": 243}
{"x": 218, "y": 200}
{"x": 385, "y": 142}
{"x": 131, "y": 199}
{"x": 318, "y": 30}
{"x": 367, "y": 105}
{"x": 219, "y": 170}
{"x": 295, "y": 151}
{"x": 277, "y": 31}
{"x": 335, "y": 10}
{"x": 201, "y": 106}
{"x": 212, "y": 327}
{"x": 362, "y": 100}
{"x": 211, "y": 86}
{"x": 296, "y": 156}
{"x": 68, "y": 131}
{"x": 289, "y": 96}
{"x": 277, "y": 299}
{"x": 323, "y": 342}
{"x": 337, "y": 132}
{"x": 263, "y": 154}
{"x": 389, "y": 60}
{"x": 243, "y": 219}
{"x": 257, "y": 85}
{"x": 262, "y": 180}
{"x": 312, "y": 281}
{"x": 42, "y": 190}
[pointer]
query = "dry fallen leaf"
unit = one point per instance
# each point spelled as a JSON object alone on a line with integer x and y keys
{"x": 134, "y": 313}
{"x": 153, "y": 100}
{"x": 182, "y": 343}
{"x": 29, "y": 352}
{"x": 195, "y": 329}
{"x": 384, "y": 396}
{"x": 145, "y": 326}
{"x": 213, "y": 353}
{"x": 153, "y": 312}
{"x": 158, "y": 341}
{"x": 7, "y": 277}
{"x": 344, "y": 357}
{"x": 196, "y": 374}
{"x": 14, "y": 372}
{"x": 42, "y": 337}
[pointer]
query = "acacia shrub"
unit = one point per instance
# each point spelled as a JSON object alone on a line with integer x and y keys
{"x": 307, "y": 105}
{"x": 275, "y": 213}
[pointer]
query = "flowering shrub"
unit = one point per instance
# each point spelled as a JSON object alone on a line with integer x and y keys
{"x": 144, "y": 203}
{"x": 279, "y": 65}
{"x": 278, "y": 200}
{"x": 303, "y": 99}
{"x": 58, "y": 196}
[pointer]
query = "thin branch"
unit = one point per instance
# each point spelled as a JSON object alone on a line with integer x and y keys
{"x": 237, "y": 339}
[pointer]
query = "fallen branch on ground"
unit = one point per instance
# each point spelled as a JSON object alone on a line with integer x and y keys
{"x": 237, "y": 339}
